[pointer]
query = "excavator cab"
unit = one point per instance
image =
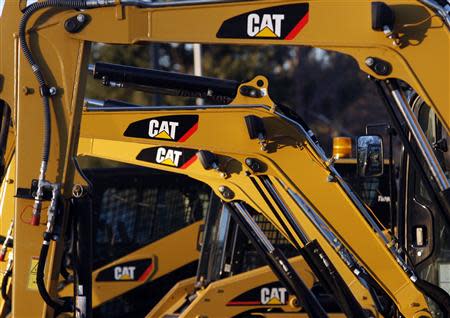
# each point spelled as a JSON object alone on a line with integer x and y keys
{"x": 425, "y": 233}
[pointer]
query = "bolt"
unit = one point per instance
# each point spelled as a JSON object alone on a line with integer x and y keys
{"x": 77, "y": 191}
{"x": 381, "y": 68}
{"x": 370, "y": 61}
{"x": 226, "y": 192}
{"x": 294, "y": 302}
{"x": 52, "y": 91}
{"x": 253, "y": 164}
{"x": 81, "y": 18}
{"x": 419, "y": 253}
{"x": 27, "y": 90}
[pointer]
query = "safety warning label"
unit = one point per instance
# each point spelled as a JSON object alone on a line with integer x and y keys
{"x": 33, "y": 273}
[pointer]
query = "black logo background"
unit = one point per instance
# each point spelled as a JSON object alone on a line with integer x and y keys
{"x": 139, "y": 129}
{"x": 253, "y": 296}
{"x": 236, "y": 27}
{"x": 149, "y": 155}
{"x": 107, "y": 275}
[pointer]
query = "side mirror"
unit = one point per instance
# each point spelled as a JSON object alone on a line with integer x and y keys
{"x": 369, "y": 152}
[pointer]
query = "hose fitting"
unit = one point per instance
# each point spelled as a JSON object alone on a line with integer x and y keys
{"x": 52, "y": 209}
{"x": 36, "y": 216}
{"x": 37, "y": 206}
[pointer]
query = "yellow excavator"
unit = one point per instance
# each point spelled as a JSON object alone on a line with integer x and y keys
{"x": 244, "y": 150}
{"x": 111, "y": 199}
{"x": 113, "y": 204}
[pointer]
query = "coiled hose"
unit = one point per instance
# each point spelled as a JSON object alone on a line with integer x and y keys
{"x": 44, "y": 90}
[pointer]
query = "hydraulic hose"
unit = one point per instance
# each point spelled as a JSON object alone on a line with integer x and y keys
{"x": 58, "y": 305}
{"x": 40, "y": 277}
{"x": 46, "y": 93}
{"x": 4, "y": 289}
{"x": 43, "y": 89}
{"x": 5, "y": 280}
{"x": 437, "y": 294}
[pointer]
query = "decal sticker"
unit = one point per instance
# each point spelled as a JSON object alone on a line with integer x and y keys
{"x": 176, "y": 128}
{"x": 32, "y": 284}
{"x": 281, "y": 22}
{"x": 384, "y": 198}
{"x": 134, "y": 271}
{"x": 266, "y": 295}
{"x": 174, "y": 157}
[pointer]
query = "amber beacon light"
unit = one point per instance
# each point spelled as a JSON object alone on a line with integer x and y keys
{"x": 342, "y": 147}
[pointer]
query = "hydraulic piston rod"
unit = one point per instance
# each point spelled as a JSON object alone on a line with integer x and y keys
{"x": 419, "y": 136}
{"x": 169, "y": 83}
{"x": 277, "y": 261}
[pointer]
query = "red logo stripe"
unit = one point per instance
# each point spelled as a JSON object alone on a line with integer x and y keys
{"x": 145, "y": 274}
{"x": 300, "y": 25}
{"x": 189, "y": 133}
{"x": 189, "y": 162}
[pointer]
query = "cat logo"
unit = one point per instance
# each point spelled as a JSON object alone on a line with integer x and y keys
{"x": 180, "y": 158}
{"x": 169, "y": 157}
{"x": 139, "y": 270}
{"x": 124, "y": 272}
{"x": 177, "y": 128}
{"x": 273, "y": 23}
{"x": 273, "y": 296}
{"x": 266, "y": 26}
{"x": 163, "y": 129}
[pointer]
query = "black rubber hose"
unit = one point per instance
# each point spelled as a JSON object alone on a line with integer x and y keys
{"x": 4, "y": 289}
{"x": 29, "y": 11}
{"x": 437, "y": 294}
{"x": 40, "y": 278}
{"x": 59, "y": 305}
